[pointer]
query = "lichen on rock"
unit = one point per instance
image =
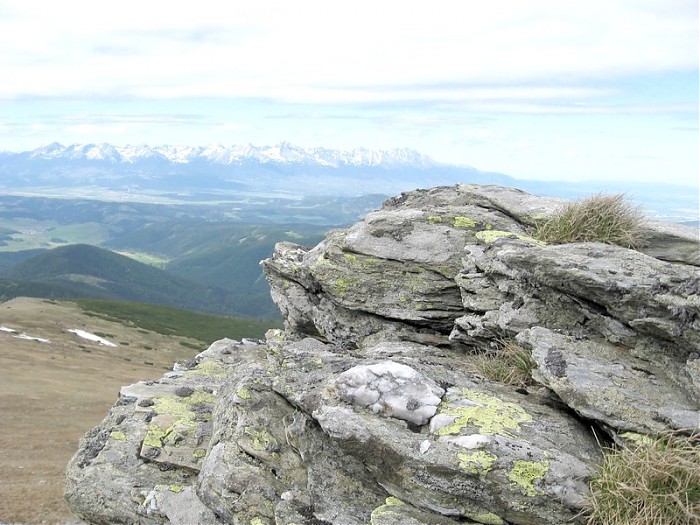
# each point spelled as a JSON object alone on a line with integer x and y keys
{"x": 524, "y": 474}
{"x": 488, "y": 413}
{"x": 364, "y": 409}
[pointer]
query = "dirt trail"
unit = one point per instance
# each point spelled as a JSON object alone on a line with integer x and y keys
{"x": 52, "y": 393}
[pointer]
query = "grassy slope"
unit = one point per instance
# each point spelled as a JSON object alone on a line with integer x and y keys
{"x": 52, "y": 393}
{"x": 222, "y": 255}
{"x": 88, "y": 271}
{"x": 171, "y": 321}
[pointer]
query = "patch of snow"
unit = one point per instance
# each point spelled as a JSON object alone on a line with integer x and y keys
{"x": 92, "y": 337}
{"x": 6, "y": 329}
{"x": 31, "y": 338}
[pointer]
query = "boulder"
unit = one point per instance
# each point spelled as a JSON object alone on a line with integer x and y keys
{"x": 370, "y": 407}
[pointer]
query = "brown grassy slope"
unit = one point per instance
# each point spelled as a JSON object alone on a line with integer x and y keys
{"x": 51, "y": 394}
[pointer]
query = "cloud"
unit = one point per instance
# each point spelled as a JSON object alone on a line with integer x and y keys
{"x": 336, "y": 52}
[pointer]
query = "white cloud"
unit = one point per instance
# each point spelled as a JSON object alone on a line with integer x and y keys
{"x": 302, "y": 51}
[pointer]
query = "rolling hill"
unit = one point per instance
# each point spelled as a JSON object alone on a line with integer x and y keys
{"x": 219, "y": 254}
{"x": 86, "y": 271}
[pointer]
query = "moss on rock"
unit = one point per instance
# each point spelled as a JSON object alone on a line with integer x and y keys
{"x": 117, "y": 435}
{"x": 208, "y": 368}
{"x": 464, "y": 222}
{"x": 488, "y": 518}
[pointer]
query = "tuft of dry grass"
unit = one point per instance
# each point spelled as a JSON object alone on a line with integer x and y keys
{"x": 600, "y": 218}
{"x": 652, "y": 482}
{"x": 510, "y": 364}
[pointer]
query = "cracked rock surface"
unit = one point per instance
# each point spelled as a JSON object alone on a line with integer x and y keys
{"x": 367, "y": 409}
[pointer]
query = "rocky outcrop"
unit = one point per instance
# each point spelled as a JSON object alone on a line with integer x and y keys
{"x": 367, "y": 407}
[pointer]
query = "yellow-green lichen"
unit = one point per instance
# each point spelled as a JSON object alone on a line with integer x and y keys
{"x": 489, "y": 236}
{"x": 262, "y": 440}
{"x": 525, "y": 473}
{"x": 117, "y": 435}
{"x": 208, "y": 368}
{"x": 154, "y": 436}
{"x": 179, "y": 408}
{"x": 199, "y": 453}
{"x": 464, "y": 222}
{"x": 351, "y": 257}
{"x": 243, "y": 393}
{"x": 389, "y": 505}
{"x": 342, "y": 285}
{"x": 257, "y": 521}
{"x": 491, "y": 415}
{"x": 432, "y": 219}
{"x": 174, "y": 406}
{"x": 637, "y": 439}
{"x": 175, "y": 488}
{"x": 477, "y": 462}
{"x": 488, "y": 518}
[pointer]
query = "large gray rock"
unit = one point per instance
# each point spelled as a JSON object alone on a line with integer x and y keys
{"x": 150, "y": 446}
{"x": 393, "y": 273}
{"x": 614, "y": 332}
{"x": 605, "y": 383}
{"x": 366, "y": 408}
{"x": 318, "y": 428}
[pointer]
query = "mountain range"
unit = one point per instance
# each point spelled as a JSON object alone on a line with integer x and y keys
{"x": 251, "y": 174}
{"x": 219, "y": 154}
{"x": 188, "y": 172}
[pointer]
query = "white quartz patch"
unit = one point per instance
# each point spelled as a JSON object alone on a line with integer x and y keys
{"x": 471, "y": 442}
{"x": 92, "y": 337}
{"x": 391, "y": 388}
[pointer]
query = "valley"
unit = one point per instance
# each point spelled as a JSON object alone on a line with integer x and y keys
{"x": 108, "y": 248}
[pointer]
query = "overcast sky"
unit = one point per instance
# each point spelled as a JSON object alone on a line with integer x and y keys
{"x": 547, "y": 89}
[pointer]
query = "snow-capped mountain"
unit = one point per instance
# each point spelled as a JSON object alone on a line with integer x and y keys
{"x": 283, "y": 170}
{"x": 218, "y": 154}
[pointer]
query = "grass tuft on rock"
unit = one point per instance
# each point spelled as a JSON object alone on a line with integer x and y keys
{"x": 510, "y": 363}
{"x": 600, "y": 218}
{"x": 649, "y": 483}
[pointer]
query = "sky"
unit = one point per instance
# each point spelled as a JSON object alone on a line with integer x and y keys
{"x": 537, "y": 89}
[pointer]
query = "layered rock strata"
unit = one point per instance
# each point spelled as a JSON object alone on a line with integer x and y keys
{"x": 367, "y": 409}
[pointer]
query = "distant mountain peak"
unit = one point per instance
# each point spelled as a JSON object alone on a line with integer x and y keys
{"x": 284, "y": 153}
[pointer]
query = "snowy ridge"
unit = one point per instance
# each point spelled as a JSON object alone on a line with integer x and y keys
{"x": 218, "y": 154}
